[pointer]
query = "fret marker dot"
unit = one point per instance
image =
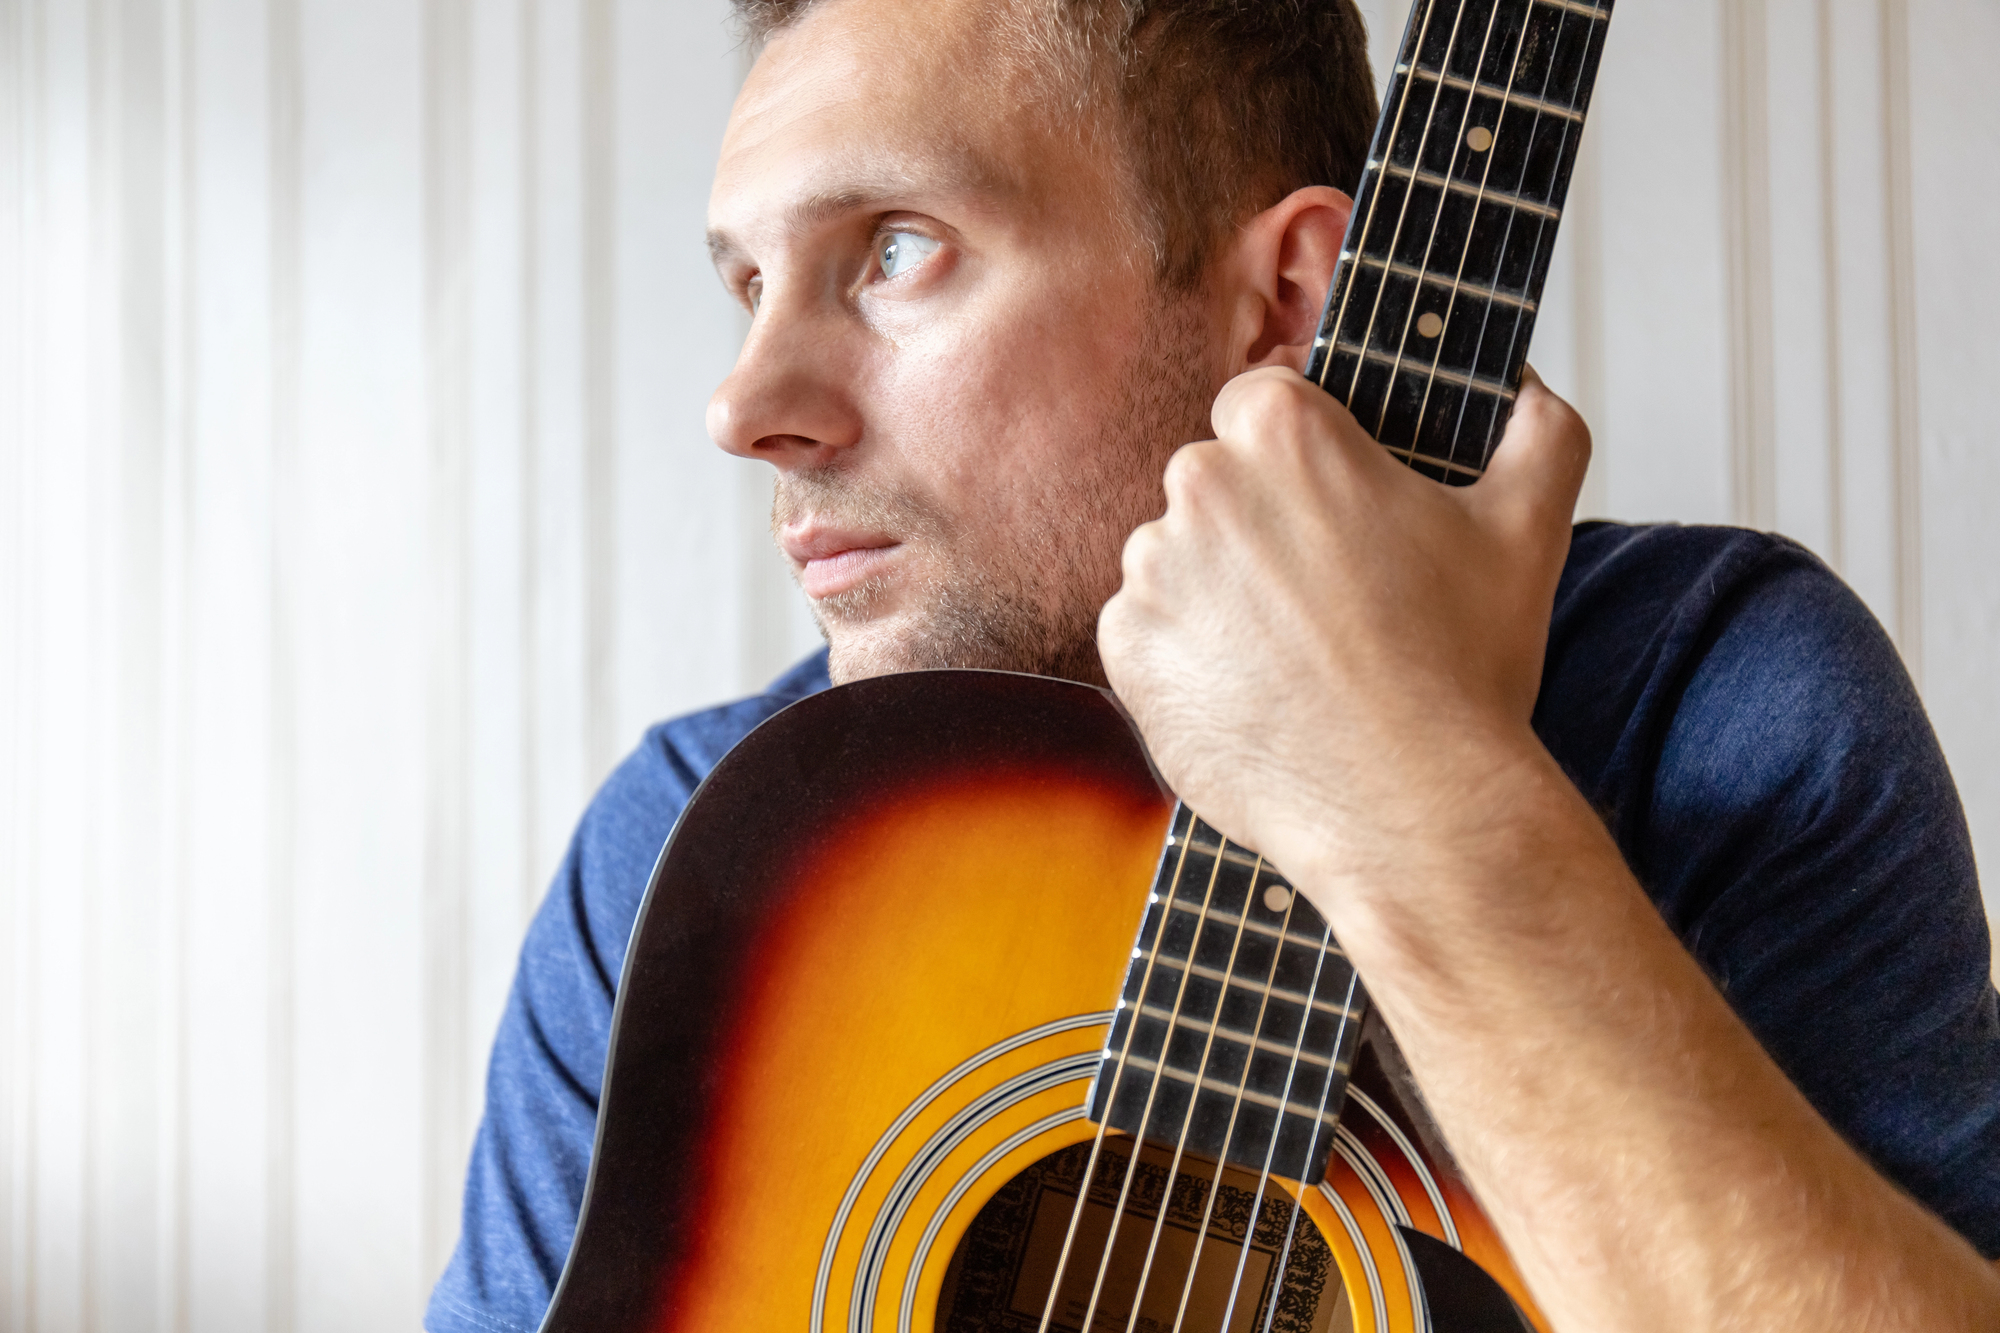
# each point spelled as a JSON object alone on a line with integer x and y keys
{"x": 1277, "y": 897}
{"x": 1479, "y": 138}
{"x": 1429, "y": 325}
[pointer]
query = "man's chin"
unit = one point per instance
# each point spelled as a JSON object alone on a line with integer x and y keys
{"x": 885, "y": 645}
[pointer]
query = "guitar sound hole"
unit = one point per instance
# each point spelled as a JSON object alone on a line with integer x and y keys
{"x": 999, "y": 1277}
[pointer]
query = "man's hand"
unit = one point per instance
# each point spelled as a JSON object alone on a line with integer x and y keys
{"x": 1326, "y": 651}
{"x": 1334, "y": 661}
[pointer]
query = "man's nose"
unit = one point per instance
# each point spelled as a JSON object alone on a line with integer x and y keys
{"x": 789, "y": 401}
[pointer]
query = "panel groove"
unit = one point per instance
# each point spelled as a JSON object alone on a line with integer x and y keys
{"x": 286, "y": 74}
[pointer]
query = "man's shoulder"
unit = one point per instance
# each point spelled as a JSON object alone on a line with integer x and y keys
{"x": 632, "y": 815}
{"x": 1644, "y": 612}
{"x": 675, "y": 755}
{"x": 1643, "y": 569}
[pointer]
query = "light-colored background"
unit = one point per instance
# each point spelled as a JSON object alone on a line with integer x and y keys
{"x": 356, "y": 514}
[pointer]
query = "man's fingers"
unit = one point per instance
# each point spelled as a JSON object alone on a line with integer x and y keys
{"x": 1275, "y": 405}
{"x": 1541, "y": 459}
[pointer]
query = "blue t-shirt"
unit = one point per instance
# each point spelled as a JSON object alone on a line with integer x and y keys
{"x": 1726, "y": 703}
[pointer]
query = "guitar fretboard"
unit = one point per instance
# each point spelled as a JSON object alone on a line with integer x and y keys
{"x": 1238, "y": 1022}
{"x": 1426, "y": 329}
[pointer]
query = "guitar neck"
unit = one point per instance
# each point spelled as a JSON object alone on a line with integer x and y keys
{"x": 1427, "y": 325}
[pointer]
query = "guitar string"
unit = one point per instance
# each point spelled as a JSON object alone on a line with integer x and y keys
{"x": 1284, "y": 1096}
{"x": 1194, "y": 1100}
{"x": 1491, "y": 155}
{"x": 1437, "y": 216}
{"x": 1312, "y": 1149}
{"x": 1264, "y": 1176}
{"x": 1118, "y": 1070}
{"x": 1592, "y": 42}
{"x": 1402, "y": 209}
{"x": 1486, "y": 440}
{"x": 1374, "y": 199}
{"x": 1153, "y": 1088}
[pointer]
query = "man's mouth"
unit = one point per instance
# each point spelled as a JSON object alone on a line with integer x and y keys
{"x": 829, "y": 561}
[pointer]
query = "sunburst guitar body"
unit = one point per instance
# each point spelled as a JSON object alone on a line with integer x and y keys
{"x": 874, "y": 981}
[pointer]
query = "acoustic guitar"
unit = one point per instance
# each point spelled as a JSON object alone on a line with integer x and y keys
{"x": 941, "y": 1015}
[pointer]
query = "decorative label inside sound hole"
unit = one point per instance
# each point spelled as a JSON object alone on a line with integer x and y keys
{"x": 998, "y": 1281}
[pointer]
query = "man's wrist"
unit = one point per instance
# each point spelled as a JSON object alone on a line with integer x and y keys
{"x": 1480, "y": 831}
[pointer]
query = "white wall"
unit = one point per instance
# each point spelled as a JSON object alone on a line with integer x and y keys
{"x": 355, "y": 515}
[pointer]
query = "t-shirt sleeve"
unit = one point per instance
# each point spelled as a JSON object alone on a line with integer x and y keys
{"x": 1804, "y": 837}
{"x": 531, "y": 1157}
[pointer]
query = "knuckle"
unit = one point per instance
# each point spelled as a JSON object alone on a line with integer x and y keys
{"x": 1142, "y": 554}
{"x": 1192, "y": 471}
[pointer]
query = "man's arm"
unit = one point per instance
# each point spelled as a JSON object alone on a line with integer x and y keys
{"x": 1335, "y": 661}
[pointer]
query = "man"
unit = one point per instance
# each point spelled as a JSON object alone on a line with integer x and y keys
{"x": 1558, "y": 799}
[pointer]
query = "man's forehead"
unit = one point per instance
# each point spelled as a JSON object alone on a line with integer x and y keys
{"x": 876, "y": 100}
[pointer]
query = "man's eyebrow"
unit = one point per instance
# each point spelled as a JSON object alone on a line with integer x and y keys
{"x": 970, "y": 173}
{"x": 807, "y": 213}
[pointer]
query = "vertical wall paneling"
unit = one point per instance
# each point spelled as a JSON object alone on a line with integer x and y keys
{"x": 285, "y": 86}
{"x": 1803, "y": 280}
{"x": 504, "y": 868}
{"x": 1744, "y": 149}
{"x": 170, "y": 1212}
{"x": 1895, "y": 201}
{"x": 232, "y": 771}
{"x": 59, "y": 633}
{"x": 119, "y": 955}
{"x": 20, "y": 135}
{"x": 598, "y": 149}
{"x": 448, "y": 121}
{"x": 1954, "y": 104}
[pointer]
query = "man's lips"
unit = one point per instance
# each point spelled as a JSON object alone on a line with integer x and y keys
{"x": 830, "y": 561}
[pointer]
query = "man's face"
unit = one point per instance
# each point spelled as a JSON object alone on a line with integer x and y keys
{"x": 958, "y": 360}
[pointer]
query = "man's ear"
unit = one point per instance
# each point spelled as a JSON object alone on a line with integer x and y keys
{"x": 1276, "y": 274}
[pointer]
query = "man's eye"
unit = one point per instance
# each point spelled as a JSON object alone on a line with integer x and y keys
{"x": 902, "y": 251}
{"x": 753, "y": 292}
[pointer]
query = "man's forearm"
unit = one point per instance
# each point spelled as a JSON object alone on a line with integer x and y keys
{"x": 1646, "y": 1162}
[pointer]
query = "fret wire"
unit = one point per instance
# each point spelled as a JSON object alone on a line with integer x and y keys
{"x": 1225, "y": 980}
{"x": 1399, "y": 269}
{"x": 1267, "y": 931}
{"x": 1207, "y": 1084}
{"x": 1242, "y": 1038}
{"x": 1232, "y": 855}
{"x": 1413, "y": 455}
{"x": 1589, "y": 11}
{"x": 1536, "y": 105}
{"x": 1476, "y": 383}
{"x": 1465, "y": 187}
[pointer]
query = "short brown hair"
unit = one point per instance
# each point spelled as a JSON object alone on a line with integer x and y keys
{"x": 1228, "y": 105}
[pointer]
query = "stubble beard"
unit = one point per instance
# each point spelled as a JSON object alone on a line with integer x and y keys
{"x": 1032, "y": 604}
